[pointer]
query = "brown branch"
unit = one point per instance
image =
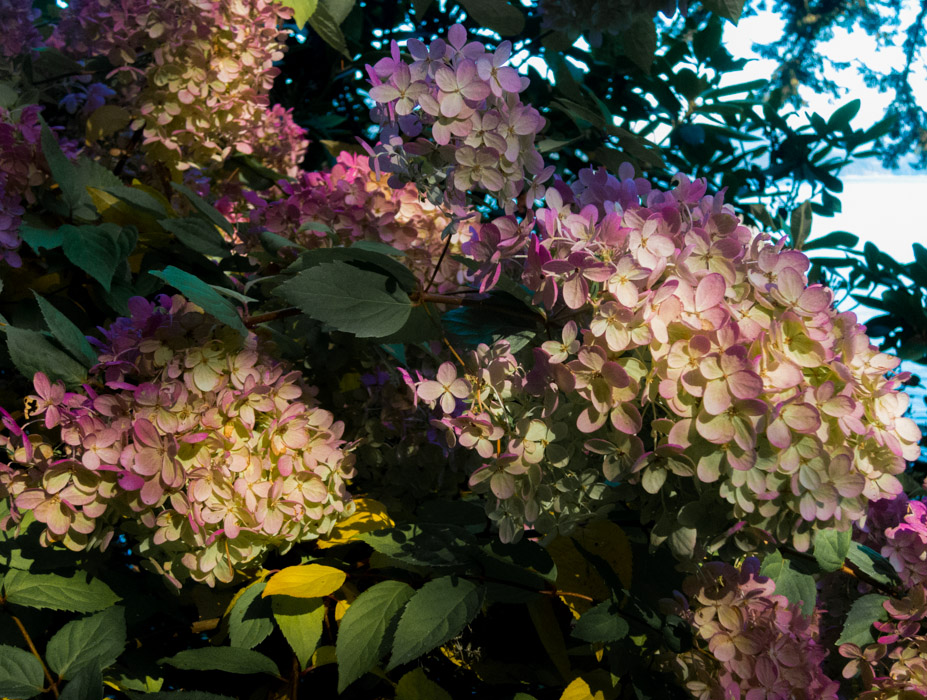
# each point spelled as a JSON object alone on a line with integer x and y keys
{"x": 252, "y": 321}
{"x": 51, "y": 681}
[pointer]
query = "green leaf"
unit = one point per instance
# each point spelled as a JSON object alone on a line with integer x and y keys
{"x": 797, "y": 587}
{"x": 198, "y": 235}
{"x": 729, "y": 9}
{"x": 327, "y": 28}
{"x": 140, "y": 200}
{"x": 365, "y": 633}
{"x": 603, "y": 623}
{"x": 273, "y": 243}
{"x": 93, "y": 642}
{"x": 835, "y": 239}
{"x": 66, "y": 333}
{"x": 498, "y": 15}
{"x": 437, "y": 612}
{"x": 800, "y": 225}
{"x": 872, "y": 563}
{"x": 86, "y": 685}
{"x": 302, "y": 10}
{"x": 640, "y": 42}
{"x": 831, "y": 547}
{"x": 203, "y": 295}
{"x": 425, "y": 544}
{"x": 863, "y": 614}
{"x": 300, "y": 621}
{"x": 367, "y": 304}
{"x": 228, "y": 659}
{"x": 338, "y": 9}
{"x": 32, "y": 352}
{"x": 209, "y": 212}
{"x": 98, "y": 250}
{"x": 21, "y": 674}
{"x": 249, "y": 620}
{"x": 77, "y": 593}
{"x": 415, "y": 685}
{"x": 65, "y": 174}
{"x": 841, "y": 118}
{"x": 39, "y": 238}
{"x": 373, "y": 258}
{"x": 180, "y": 695}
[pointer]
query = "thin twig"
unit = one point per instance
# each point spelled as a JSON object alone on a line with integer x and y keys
{"x": 48, "y": 676}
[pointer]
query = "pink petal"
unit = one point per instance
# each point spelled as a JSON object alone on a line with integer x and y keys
{"x": 710, "y": 292}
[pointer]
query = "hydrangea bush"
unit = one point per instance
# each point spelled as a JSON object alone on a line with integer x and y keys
{"x": 212, "y": 451}
{"x": 435, "y": 415}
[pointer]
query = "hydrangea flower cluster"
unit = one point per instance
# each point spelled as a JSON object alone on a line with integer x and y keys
{"x": 697, "y": 351}
{"x": 207, "y": 450}
{"x": 198, "y": 74}
{"x": 355, "y": 203}
{"x": 896, "y": 663}
{"x": 483, "y": 135}
{"x": 755, "y": 644}
{"x": 17, "y": 17}
{"x": 592, "y": 18}
{"x": 20, "y": 158}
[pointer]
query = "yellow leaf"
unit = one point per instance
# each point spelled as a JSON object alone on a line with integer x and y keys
{"x": 350, "y": 382}
{"x": 323, "y": 656}
{"x": 369, "y": 515}
{"x": 341, "y": 607}
{"x": 580, "y": 690}
{"x": 309, "y": 581}
{"x": 106, "y": 121}
{"x": 576, "y": 575}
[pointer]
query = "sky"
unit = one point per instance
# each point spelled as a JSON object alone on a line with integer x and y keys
{"x": 879, "y": 206}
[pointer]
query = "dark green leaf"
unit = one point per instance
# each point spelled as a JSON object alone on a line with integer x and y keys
{"x": 200, "y": 293}
{"x": 274, "y": 243}
{"x": 863, "y": 614}
{"x": 300, "y": 621}
{"x": 138, "y": 198}
{"x": 498, "y": 15}
{"x": 198, "y": 235}
{"x": 21, "y": 674}
{"x": 729, "y": 9}
{"x": 437, "y": 612}
{"x": 415, "y": 685}
{"x": 366, "y": 257}
{"x": 39, "y": 238}
{"x": 800, "y": 225}
{"x": 250, "y": 619}
{"x": 841, "y": 118}
{"x": 872, "y": 563}
{"x": 180, "y": 695}
{"x": 86, "y": 685}
{"x": 797, "y": 587}
{"x": 367, "y": 304}
{"x": 97, "y": 250}
{"x": 32, "y": 352}
{"x": 424, "y": 544}
{"x": 603, "y": 623}
{"x": 93, "y": 642}
{"x": 228, "y": 659}
{"x": 77, "y": 593}
{"x": 65, "y": 174}
{"x": 640, "y": 41}
{"x": 326, "y": 27}
{"x": 66, "y": 333}
{"x": 204, "y": 208}
{"x": 831, "y": 547}
{"x": 836, "y": 239}
{"x": 365, "y": 633}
